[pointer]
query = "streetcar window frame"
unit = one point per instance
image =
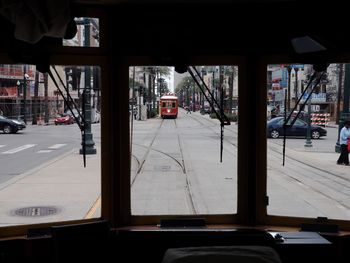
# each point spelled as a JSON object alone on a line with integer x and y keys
{"x": 115, "y": 142}
{"x": 263, "y": 216}
{"x": 223, "y": 219}
{"x": 77, "y": 56}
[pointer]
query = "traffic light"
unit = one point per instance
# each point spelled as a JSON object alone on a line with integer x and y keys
{"x": 71, "y": 78}
{"x": 142, "y": 90}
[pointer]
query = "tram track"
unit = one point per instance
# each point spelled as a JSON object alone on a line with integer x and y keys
{"x": 142, "y": 161}
{"x": 179, "y": 162}
{"x": 328, "y": 179}
{"x": 319, "y": 178}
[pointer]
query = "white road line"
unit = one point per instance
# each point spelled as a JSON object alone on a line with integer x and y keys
{"x": 2, "y": 146}
{"x": 18, "y": 149}
{"x": 56, "y": 146}
{"x": 44, "y": 151}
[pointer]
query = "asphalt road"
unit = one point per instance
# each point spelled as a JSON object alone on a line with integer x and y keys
{"x": 37, "y": 145}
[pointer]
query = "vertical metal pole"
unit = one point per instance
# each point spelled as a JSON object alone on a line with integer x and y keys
{"x": 308, "y": 142}
{"x": 296, "y": 86}
{"x": 288, "y": 88}
{"x": 89, "y": 143}
{"x": 24, "y": 94}
{"x": 46, "y": 87}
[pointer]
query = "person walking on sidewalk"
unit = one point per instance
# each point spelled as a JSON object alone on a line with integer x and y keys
{"x": 343, "y": 141}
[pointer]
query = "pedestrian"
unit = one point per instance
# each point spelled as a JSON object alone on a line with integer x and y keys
{"x": 188, "y": 110}
{"x": 135, "y": 113}
{"x": 343, "y": 141}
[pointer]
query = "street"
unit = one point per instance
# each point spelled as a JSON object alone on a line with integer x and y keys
{"x": 37, "y": 145}
{"x": 43, "y": 178}
{"x": 176, "y": 170}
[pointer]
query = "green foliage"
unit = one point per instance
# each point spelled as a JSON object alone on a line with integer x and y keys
{"x": 153, "y": 113}
{"x": 231, "y": 116}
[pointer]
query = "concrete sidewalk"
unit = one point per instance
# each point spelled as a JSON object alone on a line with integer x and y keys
{"x": 59, "y": 190}
{"x": 62, "y": 189}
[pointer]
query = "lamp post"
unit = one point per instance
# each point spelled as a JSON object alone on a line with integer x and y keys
{"x": 308, "y": 142}
{"x": 23, "y": 84}
{"x": 296, "y": 86}
{"x": 204, "y": 72}
{"x": 88, "y": 140}
{"x": 193, "y": 99}
{"x": 287, "y": 107}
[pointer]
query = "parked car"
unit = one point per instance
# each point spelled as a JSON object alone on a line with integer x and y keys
{"x": 11, "y": 125}
{"x": 275, "y": 129}
{"x": 95, "y": 115}
{"x": 64, "y": 118}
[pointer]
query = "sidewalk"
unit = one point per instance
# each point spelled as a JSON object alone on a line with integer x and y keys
{"x": 59, "y": 190}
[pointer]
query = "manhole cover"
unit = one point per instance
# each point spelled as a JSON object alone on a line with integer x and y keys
{"x": 36, "y": 211}
{"x": 163, "y": 168}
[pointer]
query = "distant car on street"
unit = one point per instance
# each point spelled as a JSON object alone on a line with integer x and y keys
{"x": 95, "y": 115}
{"x": 275, "y": 129}
{"x": 64, "y": 119}
{"x": 11, "y": 125}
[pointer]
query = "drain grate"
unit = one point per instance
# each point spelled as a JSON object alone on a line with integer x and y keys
{"x": 36, "y": 211}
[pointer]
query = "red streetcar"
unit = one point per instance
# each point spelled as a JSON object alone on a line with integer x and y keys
{"x": 168, "y": 106}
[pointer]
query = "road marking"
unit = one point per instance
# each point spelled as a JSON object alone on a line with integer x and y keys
{"x": 56, "y": 146}
{"x": 92, "y": 211}
{"x": 18, "y": 149}
{"x": 44, "y": 151}
{"x": 2, "y": 146}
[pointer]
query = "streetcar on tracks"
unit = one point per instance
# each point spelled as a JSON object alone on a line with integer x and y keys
{"x": 169, "y": 106}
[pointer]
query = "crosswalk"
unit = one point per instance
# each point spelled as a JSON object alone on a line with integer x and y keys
{"x": 24, "y": 147}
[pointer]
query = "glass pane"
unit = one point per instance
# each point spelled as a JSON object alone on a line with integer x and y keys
{"x": 42, "y": 177}
{"x": 88, "y": 31}
{"x": 175, "y": 135}
{"x": 311, "y": 183}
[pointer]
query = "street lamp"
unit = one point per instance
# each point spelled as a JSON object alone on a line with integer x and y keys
{"x": 87, "y": 142}
{"x": 23, "y": 84}
{"x": 287, "y": 107}
{"x": 203, "y": 72}
{"x": 308, "y": 142}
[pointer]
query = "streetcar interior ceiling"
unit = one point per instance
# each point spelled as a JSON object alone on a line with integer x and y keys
{"x": 220, "y": 164}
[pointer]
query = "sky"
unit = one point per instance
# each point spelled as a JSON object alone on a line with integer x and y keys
{"x": 170, "y": 80}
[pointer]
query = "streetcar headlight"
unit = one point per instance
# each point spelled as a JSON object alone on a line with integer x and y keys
{"x": 168, "y": 110}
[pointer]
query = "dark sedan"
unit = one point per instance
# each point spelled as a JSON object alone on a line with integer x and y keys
{"x": 275, "y": 129}
{"x": 10, "y": 125}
